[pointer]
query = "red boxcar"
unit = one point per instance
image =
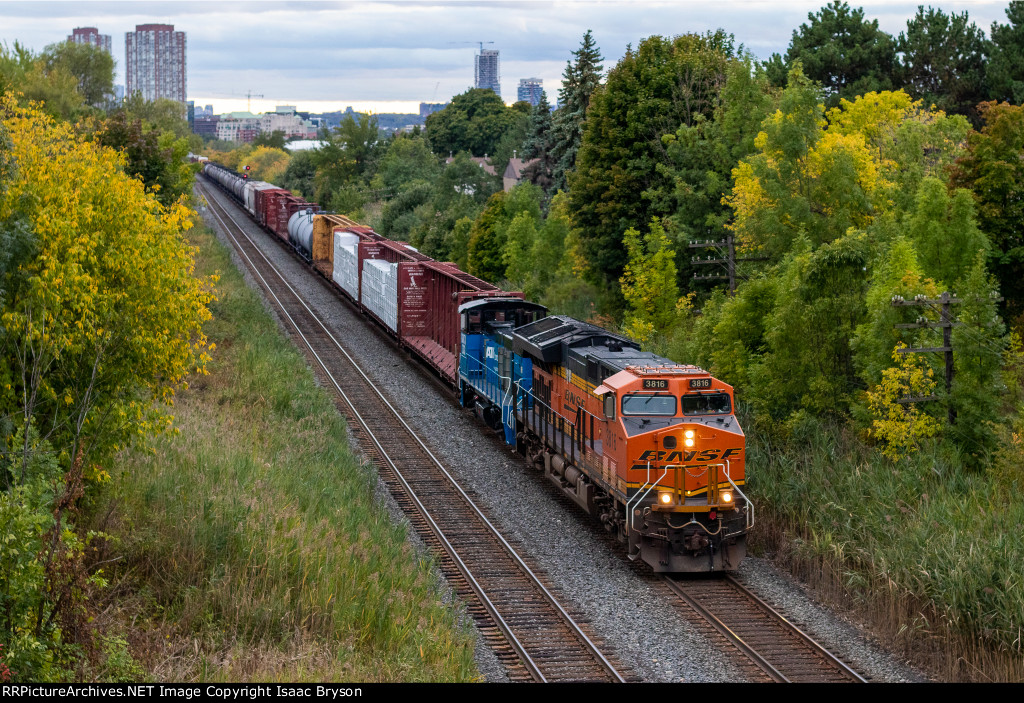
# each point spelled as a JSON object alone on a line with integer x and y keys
{"x": 430, "y": 293}
{"x": 266, "y": 203}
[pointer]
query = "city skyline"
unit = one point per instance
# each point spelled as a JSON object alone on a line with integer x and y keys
{"x": 398, "y": 53}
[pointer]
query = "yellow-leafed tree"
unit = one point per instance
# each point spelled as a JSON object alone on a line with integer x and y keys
{"x": 100, "y": 322}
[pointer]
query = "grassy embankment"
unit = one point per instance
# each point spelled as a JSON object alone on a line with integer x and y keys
{"x": 253, "y": 548}
{"x": 926, "y": 550}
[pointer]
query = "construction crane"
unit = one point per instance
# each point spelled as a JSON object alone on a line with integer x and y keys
{"x": 249, "y": 96}
{"x": 481, "y": 43}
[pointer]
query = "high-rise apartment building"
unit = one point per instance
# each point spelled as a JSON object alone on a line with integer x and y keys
{"x": 90, "y": 35}
{"x": 530, "y": 90}
{"x": 488, "y": 74}
{"x": 155, "y": 62}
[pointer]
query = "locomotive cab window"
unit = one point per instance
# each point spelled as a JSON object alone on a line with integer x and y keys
{"x": 706, "y": 404}
{"x": 649, "y": 404}
{"x": 609, "y": 406}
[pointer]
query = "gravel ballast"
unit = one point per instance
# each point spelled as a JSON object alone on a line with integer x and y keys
{"x": 623, "y": 604}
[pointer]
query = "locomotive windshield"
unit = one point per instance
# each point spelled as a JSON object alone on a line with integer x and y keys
{"x": 706, "y": 404}
{"x": 638, "y": 404}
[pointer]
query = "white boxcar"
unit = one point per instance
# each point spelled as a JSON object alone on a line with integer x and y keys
{"x": 249, "y": 189}
{"x": 346, "y": 263}
{"x": 379, "y": 294}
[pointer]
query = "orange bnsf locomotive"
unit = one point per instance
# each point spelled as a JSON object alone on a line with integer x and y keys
{"x": 650, "y": 447}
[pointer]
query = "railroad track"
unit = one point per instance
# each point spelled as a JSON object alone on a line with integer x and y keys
{"x": 518, "y": 614}
{"x": 778, "y": 649}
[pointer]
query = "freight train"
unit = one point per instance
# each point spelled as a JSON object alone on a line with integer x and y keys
{"x": 649, "y": 447}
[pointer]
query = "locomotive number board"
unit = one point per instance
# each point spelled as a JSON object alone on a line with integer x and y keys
{"x": 656, "y": 384}
{"x": 700, "y": 383}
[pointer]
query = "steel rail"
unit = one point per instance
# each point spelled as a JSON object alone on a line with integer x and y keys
{"x": 772, "y": 670}
{"x": 485, "y": 600}
{"x": 751, "y": 653}
{"x": 807, "y": 639}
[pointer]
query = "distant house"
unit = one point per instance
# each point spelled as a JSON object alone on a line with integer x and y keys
{"x": 481, "y": 161}
{"x": 513, "y": 175}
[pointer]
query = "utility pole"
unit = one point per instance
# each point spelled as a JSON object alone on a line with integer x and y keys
{"x": 946, "y": 301}
{"x": 728, "y": 257}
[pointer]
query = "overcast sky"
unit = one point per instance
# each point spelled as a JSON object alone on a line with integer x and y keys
{"x": 388, "y": 55}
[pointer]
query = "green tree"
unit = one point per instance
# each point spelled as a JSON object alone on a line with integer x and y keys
{"x": 896, "y": 272}
{"x": 92, "y": 66}
{"x": 162, "y": 115}
{"x": 944, "y": 232}
{"x": 579, "y": 81}
{"x": 648, "y": 94}
{"x": 273, "y": 140}
{"x": 1005, "y": 70}
{"x": 408, "y": 160}
{"x": 978, "y": 343}
{"x": 539, "y": 144}
{"x": 549, "y": 249}
{"x": 474, "y": 121}
{"x": 808, "y": 361}
{"x": 520, "y": 240}
{"x": 993, "y": 169}
{"x": 511, "y": 141}
{"x": 300, "y": 174}
{"x": 486, "y": 243}
{"x": 28, "y": 75}
{"x": 458, "y": 193}
{"x": 847, "y": 54}
{"x": 158, "y": 159}
{"x": 649, "y": 282}
{"x": 943, "y": 61}
{"x": 345, "y": 162}
{"x": 701, "y": 158}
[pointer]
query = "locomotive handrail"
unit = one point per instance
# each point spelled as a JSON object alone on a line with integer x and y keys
{"x": 640, "y": 496}
{"x": 750, "y": 506}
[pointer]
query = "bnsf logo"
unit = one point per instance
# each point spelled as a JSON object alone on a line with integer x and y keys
{"x": 572, "y": 398}
{"x": 688, "y": 456}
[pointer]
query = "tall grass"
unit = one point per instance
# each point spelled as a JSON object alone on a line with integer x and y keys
{"x": 253, "y": 546}
{"x": 930, "y": 552}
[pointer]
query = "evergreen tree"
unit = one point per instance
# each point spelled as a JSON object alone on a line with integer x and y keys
{"x": 539, "y": 144}
{"x": 579, "y": 81}
{"x": 943, "y": 59}
{"x": 847, "y": 54}
{"x": 622, "y": 176}
{"x": 1005, "y": 71}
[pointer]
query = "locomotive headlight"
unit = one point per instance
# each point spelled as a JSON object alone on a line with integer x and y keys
{"x": 726, "y": 497}
{"x": 665, "y": 498}
{"x": 689, "y": 436}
